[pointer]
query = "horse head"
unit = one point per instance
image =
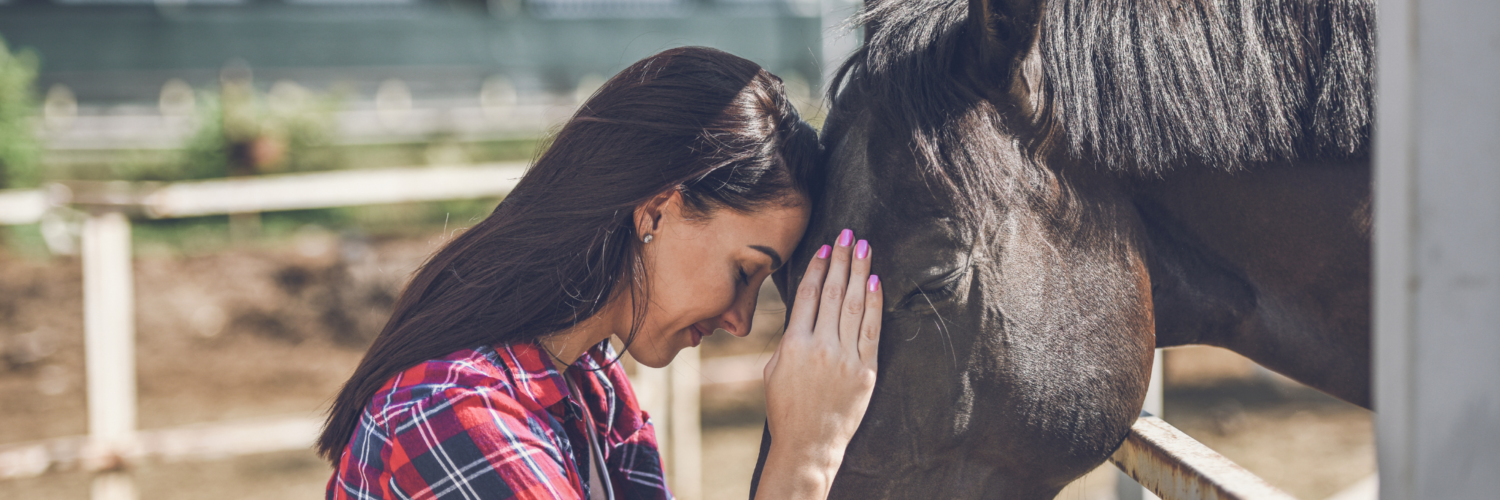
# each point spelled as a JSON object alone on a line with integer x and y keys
{"x": 1043, "y": 183}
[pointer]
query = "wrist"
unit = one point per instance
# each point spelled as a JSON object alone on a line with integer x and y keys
{"x": 815, "y": 457}
{"x": 798, "y": 471}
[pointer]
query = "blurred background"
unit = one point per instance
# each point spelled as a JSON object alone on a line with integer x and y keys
{"x": 256, "y": 316}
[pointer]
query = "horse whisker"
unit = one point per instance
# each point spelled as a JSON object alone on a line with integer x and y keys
{"x": 942, "y": 325}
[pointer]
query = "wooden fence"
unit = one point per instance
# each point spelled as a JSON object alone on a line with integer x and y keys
{"x": 114, "y": 442}
{"x": 1160, "y": 457}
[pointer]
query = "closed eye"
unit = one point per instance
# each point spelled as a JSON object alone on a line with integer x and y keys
{"x": 939, "y": 289}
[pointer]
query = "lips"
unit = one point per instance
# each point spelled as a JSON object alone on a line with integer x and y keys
{"x": 697, "y": 334}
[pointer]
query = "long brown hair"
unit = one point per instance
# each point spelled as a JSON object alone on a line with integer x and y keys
{"x": 715, "y": 127}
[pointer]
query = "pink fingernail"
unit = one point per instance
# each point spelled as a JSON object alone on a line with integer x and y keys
{"x": 862, "y": 249}
{"x": 874, "y": 283}
{"x": 823, "y": 252}
{"x": 846, "y": 237}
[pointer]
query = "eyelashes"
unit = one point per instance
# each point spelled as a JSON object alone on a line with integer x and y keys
{"x": 942, "y": 292}
{"x": 937, "y": 290}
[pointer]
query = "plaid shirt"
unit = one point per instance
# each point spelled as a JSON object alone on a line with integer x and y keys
{"x": 498, "y": 423}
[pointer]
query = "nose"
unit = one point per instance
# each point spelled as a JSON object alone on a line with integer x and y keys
{"x": 737, "y": 320}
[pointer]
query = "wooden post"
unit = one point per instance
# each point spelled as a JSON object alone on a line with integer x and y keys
{"x": 109, "y": 347}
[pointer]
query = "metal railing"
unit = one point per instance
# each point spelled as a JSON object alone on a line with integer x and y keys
{"x": 1175, "y": 466}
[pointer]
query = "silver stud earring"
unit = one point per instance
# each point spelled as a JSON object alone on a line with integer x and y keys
{"x": 647, "y": 239}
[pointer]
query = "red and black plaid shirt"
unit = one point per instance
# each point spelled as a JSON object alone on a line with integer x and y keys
{"x": 498, "y": 423}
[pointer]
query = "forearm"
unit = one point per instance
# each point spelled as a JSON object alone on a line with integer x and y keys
{"x": 800, "y": 474}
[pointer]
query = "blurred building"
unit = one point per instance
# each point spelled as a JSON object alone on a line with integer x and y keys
{"x": 112, "y": 69}
{"x": 123, "y": 51}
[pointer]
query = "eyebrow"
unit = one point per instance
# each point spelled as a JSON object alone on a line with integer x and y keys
{"x": 770, "y": 252}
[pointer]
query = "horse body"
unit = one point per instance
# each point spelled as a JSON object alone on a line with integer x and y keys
{"x": 1278, "y": 260}
{"x": 1041, "y": 224}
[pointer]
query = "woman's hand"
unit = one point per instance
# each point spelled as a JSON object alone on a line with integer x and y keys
{"x": 819, "y": 381}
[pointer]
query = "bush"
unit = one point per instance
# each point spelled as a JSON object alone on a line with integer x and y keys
{"x": 289, "y": 131}
{"x": 20, "y": 154}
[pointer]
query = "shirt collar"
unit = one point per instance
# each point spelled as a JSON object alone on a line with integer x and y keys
{"x": 536, "y": 376}
{"x": 532, "y": 373}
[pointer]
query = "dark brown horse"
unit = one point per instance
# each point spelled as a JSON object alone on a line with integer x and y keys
{"x": 1054, "y": 187}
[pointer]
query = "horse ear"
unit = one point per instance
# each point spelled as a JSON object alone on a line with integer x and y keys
{"x": 1003, "y": 30}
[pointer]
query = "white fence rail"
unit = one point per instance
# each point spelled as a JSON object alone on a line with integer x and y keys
{"x": 18, "y": 206}
{"x": 194, "y": 442}
{"x": 330, "y": 189}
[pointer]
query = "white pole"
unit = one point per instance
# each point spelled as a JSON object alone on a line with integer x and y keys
{"x": 109, "y": 346}
{"x": 685, "y": 379}
{"x": 1155, "y": 404}
{"x": 653, "y": 392}
{"x": 1437, "y": 249}
{"x": 670, "y": 395}
{"x": 838, "y": 42}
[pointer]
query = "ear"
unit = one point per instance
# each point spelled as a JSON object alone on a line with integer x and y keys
{"x": 648, "y": 215}
{"x": 1002, "y": 31}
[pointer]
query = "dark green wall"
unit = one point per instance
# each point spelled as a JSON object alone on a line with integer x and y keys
{"x": 110, "y": 54}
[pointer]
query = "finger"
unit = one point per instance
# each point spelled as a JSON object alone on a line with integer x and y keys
{"x": 853, "y": 310}
{"x": 805, "y": 304}
{"x": 869, "y": 330}
{"x": 835, "y": 284}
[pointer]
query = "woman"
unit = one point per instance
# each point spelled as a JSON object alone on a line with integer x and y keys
{"x": 655, "y": 215}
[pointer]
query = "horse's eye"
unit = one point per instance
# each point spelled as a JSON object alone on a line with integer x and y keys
{"x": 933, "y": 291}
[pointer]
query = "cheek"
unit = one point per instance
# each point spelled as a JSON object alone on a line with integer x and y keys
{"x": 688, "y": 293}
{"x": 695, "y": 299}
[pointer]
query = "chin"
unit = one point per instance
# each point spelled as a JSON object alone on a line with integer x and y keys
{"x": 651, "y": 357}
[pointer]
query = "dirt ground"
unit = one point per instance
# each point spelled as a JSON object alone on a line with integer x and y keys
{"x": 274, "y": 329}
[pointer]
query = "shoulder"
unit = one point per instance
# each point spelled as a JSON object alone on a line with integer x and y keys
{"x": 467, "y": 421}
{"x": 480, "y": 376}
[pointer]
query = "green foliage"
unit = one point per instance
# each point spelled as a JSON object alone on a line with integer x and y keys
{"x": 206, "y": 154}
{"x": 296, "y": 125}
{"x": 24, "y": 241}
{"x": 20, "y": 153}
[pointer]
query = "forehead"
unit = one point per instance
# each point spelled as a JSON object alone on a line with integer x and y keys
{"x": 775, "y": 225}
{"x": 871, "y": 170}
{"x": 873, "y": 184}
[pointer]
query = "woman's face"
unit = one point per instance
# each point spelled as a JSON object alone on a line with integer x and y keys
{"x": 705, "y": 272}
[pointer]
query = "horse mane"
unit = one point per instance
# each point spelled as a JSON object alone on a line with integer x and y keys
{"x": 1137, "y": 86}
{"x": 905, "y": 72}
